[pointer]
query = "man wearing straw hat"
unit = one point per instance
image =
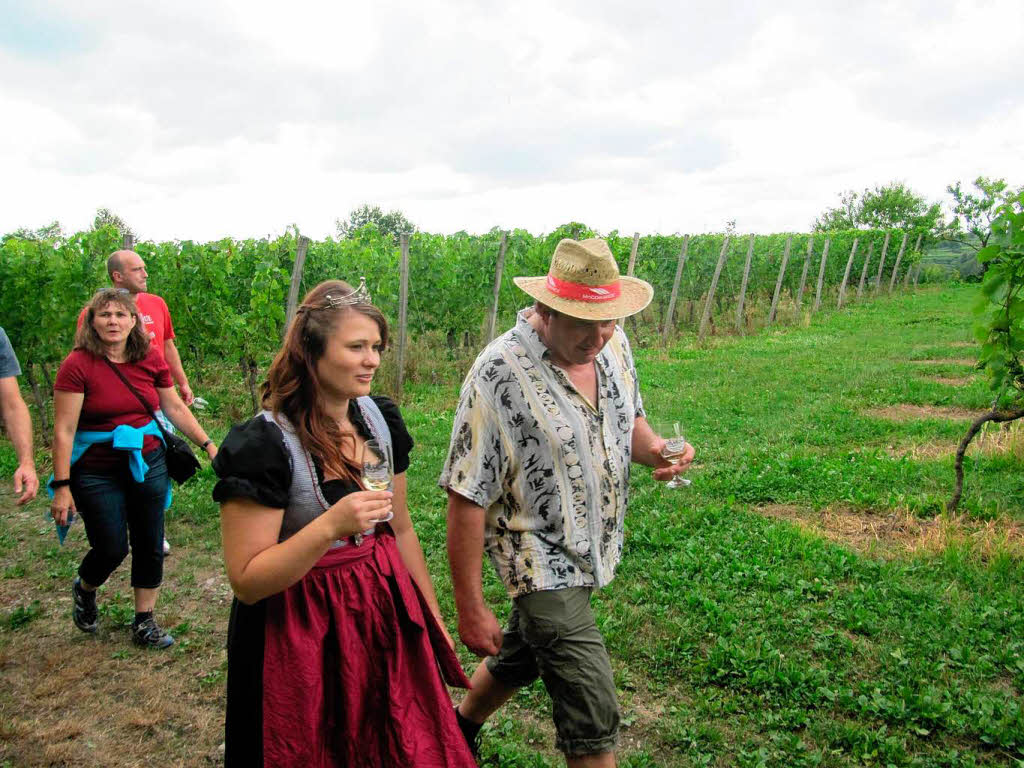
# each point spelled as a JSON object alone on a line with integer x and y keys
{"x": 549, "y": 419}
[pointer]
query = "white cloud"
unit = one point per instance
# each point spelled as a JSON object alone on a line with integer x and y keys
{"x": 203, "y": 119}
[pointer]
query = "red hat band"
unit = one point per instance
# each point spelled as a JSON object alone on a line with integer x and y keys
{"x": 580, "y": 292}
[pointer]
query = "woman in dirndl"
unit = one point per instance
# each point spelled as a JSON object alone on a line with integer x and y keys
{"x": 337, "y": 654}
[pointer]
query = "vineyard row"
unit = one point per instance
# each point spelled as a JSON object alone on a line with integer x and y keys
{"x": 228, "y": 297}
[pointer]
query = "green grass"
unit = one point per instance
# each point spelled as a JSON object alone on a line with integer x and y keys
{"x": 742, "y": 640}
{"x": 737, "y": 638}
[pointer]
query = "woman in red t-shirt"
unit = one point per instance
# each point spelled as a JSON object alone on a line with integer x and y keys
{"x": 108, "y": 456}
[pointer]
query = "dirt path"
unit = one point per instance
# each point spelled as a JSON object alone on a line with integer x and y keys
{"x": 73, "y": 699}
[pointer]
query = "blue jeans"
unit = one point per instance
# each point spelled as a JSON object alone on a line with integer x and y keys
{"x": 118, "y": 513}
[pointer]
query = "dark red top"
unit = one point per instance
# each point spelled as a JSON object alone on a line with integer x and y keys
{"x": 109, "y": 403}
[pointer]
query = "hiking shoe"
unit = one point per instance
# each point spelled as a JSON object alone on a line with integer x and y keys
{"x": 83, "y": 608}
{"x": 167, "y": 547}
{"x": 470, "y": 732}
{"x": 149, "y": 634}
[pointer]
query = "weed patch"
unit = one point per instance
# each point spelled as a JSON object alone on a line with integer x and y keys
{"x": 907, "y": 412}
{"x": 22, "y": 615}
{"x": 902, "y": 533}
{"x": 971, "y": 362}
{"x": 940, "y": 449}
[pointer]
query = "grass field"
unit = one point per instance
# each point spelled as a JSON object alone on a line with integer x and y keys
{"x": 803, "y": 603}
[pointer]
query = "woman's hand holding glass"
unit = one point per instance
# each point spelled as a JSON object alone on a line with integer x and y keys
{"x": 358, "y": 512}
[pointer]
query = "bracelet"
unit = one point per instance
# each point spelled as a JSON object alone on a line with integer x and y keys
{"x": 207, "y": 443}
{"x": 60, "y": 483}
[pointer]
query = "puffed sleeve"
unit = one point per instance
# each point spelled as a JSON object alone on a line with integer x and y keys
{"x": 401, "y": 440}
{"x": 253, "y": 463}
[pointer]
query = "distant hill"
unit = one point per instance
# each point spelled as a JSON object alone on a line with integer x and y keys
{"x": 954, "y": 256}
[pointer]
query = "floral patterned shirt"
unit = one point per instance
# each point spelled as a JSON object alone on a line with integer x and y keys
{"x": 550, "y": 469}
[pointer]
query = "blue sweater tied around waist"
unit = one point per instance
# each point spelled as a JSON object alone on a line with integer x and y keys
{"x": 122, "y": 438}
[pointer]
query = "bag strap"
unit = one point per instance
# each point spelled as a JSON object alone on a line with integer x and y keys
{"x": 135, "y": 392}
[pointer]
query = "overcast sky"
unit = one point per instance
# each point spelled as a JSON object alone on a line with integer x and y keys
{"x": 204, "y": 119}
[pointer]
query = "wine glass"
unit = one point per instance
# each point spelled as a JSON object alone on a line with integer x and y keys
{"x": 377, "y": 471}
{"x": 675, "y": 447}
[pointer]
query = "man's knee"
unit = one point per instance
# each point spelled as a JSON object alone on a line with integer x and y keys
{"x": 560, "y": 629}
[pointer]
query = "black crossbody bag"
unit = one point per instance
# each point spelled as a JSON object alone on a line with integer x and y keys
{"x": 181, "y": 462}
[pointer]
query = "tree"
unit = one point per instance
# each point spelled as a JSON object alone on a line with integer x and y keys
{"x": 393, "y": 223}
{"x": 107, "y": 218}
{"x": 973, "y": 214}
{"x": 845, "y": 216}
{"x": 1000, "y": 324}
{"x": 893, "y": 206}
{"x": 52, "y": 231}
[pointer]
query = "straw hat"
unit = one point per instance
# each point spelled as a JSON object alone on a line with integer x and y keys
{"x": 583, "y": 281}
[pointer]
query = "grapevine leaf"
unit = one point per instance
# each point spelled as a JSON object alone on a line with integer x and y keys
{"x": 988, "y": 253}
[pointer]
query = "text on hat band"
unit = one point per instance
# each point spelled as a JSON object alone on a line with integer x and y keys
{"x": 580, "y": 292}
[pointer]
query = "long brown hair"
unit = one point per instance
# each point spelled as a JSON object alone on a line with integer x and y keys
{"x": 137, "y": 344}
{"x": 293, "y": 388}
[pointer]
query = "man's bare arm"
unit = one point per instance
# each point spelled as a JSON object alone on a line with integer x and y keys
{"x": 19, "y": 427}
{"x": 178, "y": 371}
{"x": 478, "y": 627}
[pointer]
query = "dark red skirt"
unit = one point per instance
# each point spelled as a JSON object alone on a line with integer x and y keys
{"x": 354, "y": 668}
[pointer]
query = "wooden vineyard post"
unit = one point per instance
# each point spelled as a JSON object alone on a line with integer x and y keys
{"x": 803, "y": 275}
{"x": 675, "y": 289}
{"x": 740, "y": 325}
{"x": 293, "y": 289}
{"x": 403, "y": 308}
{"x": 632, "y": 254}
{"x": 632, "y": 264}
{"x": 493, "y": 320}
{"x": 37, "y": 395}
{"x": 846, "y": 274}
{"x": 128, "y": 241}
{"x": 251, "y": 374}
{"x": 899, "y": 258}
{"x": 864, "y": 271}
{"x": 881, "y": 263}
{"x": 706, "y": 317}
{"x": 821, "y": 276}
{"x": 778, "y": 280}
{"x": 917, "y": 250}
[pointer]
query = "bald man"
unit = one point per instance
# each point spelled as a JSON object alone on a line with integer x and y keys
{"x": 127, "y": 271}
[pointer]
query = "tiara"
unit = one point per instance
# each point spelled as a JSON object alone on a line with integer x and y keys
{"x": 360, "y": 295}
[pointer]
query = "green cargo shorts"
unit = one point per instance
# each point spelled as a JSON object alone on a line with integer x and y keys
{"x": 552, "y": 635}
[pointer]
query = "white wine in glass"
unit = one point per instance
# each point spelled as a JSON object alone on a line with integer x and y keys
{"x": 377, "y": 471}
{"x": 375, "y": 483}
{"x": 675, "y": 447}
